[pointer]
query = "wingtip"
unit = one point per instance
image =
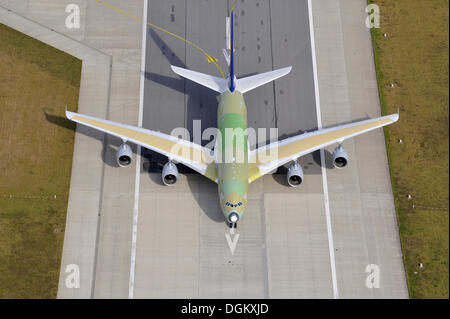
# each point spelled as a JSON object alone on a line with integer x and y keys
{"x": 394, "y": 117}
{"x": 287, "y": 70}
{"x": 177, "y": 70}
{"x": 69, "y": 114}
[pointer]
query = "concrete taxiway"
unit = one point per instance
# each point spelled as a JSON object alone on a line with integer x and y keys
{"x": 315, "y": 241}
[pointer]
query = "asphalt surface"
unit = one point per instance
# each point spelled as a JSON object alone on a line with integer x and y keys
{"x": 184, "y": 252}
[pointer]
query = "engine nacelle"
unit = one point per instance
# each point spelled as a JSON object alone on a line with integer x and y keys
{"x": 169, "y": 174}
{"x": 340, "y": 157}
{"x": 124, "y": 155}
{"x": 295, "y": 175}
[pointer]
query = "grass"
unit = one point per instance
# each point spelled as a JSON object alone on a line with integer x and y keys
{"x": 414, "y": 56}
{"x": 36, "y": 160}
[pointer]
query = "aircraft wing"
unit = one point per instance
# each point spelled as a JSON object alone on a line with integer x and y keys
{"x": 263, "y": 162}
{"x": 190, "y": 154}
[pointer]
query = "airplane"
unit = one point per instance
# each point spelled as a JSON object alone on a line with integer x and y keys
{"x": 233, "y": 177}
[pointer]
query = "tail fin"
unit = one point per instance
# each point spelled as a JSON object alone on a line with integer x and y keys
{"x": 232, "y": 84}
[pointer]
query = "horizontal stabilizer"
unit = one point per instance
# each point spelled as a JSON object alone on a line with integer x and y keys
{"x": 214, "y": 83}
{"x": 251, "y": 82}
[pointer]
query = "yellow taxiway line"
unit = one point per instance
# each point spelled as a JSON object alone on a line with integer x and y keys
{"x": 208, "y": 57}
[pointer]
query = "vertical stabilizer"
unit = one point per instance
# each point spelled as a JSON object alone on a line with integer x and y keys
{"x": 232, "y": 84}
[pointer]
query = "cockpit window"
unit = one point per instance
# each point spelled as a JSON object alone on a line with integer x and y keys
{"x": 233, "y": 205}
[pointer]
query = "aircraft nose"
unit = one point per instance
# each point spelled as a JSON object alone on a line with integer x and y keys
{"x": 233, "y": 217}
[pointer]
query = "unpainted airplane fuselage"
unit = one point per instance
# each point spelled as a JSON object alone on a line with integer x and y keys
{"x": 232, "y": 157}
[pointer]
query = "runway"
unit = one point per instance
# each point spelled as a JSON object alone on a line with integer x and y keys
{"x": 181, "y": 249}
{"x": 191, "y": 258}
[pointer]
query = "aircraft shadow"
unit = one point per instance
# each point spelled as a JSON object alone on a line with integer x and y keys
{"x": 201, "y": 104}
{"x": 110, "y": 143}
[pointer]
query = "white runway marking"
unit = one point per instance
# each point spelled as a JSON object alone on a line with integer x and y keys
{"x": 322, "y": 157}
{"x": 138, "y": 156}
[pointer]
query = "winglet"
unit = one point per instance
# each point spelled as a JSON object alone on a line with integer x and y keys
{"x": 394, "y": 117}
{"x": 69, "y": 114}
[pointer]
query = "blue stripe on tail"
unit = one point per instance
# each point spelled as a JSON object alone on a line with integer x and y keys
{"x": 232, "y": 84}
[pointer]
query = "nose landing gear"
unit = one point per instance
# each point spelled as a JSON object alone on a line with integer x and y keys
{"x": 233, "y": 219}
{"x": 232, "y": 225}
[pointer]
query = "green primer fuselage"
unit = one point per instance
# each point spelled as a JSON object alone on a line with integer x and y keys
{"x": 232, "y": 153}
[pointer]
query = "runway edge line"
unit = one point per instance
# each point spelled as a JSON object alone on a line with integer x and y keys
{"x": 138, "y": 155}
{"x": 322, "y": 156}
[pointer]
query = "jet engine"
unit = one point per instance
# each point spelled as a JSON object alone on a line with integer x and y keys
{"x": 295, "y": 175}
{"x": 169, "y": 174}
{"x": 340, "y": 157}
{"x": 124, "y": 155}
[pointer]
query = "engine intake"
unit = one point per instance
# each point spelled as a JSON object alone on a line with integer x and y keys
{"x": 295, "y": 175}
{"x": 124, "y": 155}
{"x": 340, "y": 157}
{"x": 169, "y": 174}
